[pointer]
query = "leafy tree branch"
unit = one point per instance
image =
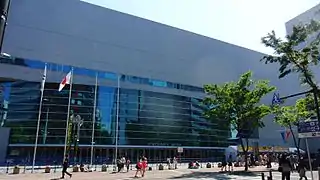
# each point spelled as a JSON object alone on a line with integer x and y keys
{"x": 239, "y": 105}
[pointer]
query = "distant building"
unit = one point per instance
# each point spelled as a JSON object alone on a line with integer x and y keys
{"x": 304, "y": 18}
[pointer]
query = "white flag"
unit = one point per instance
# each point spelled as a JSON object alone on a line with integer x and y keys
{"x": 65, "y": 80}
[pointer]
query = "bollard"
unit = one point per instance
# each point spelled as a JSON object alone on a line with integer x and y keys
{"x": 270, "y": 175}
{"x": 319, "y": 172}
{"x": 24, "y": 169}
{"x": 262, "y": 176}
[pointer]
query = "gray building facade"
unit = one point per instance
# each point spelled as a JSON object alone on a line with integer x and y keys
{"x": 154, "y": 60}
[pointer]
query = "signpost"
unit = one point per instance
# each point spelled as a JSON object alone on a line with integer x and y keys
{"x": 309, "y": 129}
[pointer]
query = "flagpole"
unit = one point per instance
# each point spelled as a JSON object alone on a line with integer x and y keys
{"x": 68, "y": 114}
{"x": 117, "y": 118}
{"x": 94, "y": 118}
{"x": 39, "y": 117}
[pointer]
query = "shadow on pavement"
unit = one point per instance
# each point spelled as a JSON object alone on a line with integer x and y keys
{"x": 216, "y": 175}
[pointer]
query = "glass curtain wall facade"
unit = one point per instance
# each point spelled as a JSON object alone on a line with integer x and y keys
{"x": 150, "y": 123}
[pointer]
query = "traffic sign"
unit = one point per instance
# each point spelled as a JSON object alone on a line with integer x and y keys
{"x": 309, "y": 129}
{"x": 276, "y": 99}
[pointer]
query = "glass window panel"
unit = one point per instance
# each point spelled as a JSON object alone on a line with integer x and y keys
{"x": 34, "y": 64}
{"x": 123, "y": 78}
{"x": 66, "y": 68}
{"x": 171, "y": 85}
{"x": 158, "y": 83}
{"x": 13, "y": 61}
{"x": 144, "y": 80}
{"x": 146, "y": 118}
{"x": 84, "y": 72}
{"x": 134, "y": 79}
{"x": 177, "y": 86}
{"x": 54, "y": 67}
{"x": 92, "y": 73}
{"x": 107, "y": 75}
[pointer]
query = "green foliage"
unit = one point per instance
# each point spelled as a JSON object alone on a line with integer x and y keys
{"x": 288, "y": 116}
{"x": 293, "y": 59}
{"x": 238, "y": 103}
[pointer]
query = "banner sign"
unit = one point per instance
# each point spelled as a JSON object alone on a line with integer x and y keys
{"x": 309, "y": 129}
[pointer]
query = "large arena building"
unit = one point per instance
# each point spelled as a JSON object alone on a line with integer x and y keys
{"x": 159, "y": 72}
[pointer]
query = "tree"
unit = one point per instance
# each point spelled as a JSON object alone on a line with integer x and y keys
{"x": 289, "y": 116}
{"x": 238, "y": 103}
{"x": 295, "y": 59}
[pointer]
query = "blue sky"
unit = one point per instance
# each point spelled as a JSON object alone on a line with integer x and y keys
{"x": 240, "y": 22}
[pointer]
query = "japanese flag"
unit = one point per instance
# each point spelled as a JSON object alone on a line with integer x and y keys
{"x": 65, "y": 80}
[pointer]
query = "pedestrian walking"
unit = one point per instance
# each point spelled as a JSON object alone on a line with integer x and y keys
{"x": 175, "y": 163}
{"x": 65, "y": 166}
{"x": 268, "y": 160}
{"x": 128, "y": 164}
{"x": 121, "y": 162}
{"x": 285, "y": 167}
{"x": 302, "y": 169}
{"x": 139, "y": 167}
{"x": 144, "y": 165}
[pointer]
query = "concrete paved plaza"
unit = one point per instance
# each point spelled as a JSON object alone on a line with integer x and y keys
{"x": 199, "y": 174}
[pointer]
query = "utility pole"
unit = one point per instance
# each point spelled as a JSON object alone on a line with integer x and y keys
{"x": 4, "y": 8}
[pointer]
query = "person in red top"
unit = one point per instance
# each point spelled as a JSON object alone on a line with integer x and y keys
{"x": 139, "y": 168}
{"x": 144, "y": 165}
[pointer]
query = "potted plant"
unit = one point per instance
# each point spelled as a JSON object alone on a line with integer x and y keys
{"x": 16, "y": 170}
{"x": 47, "y": 169}
{"x": 104, "y": 168}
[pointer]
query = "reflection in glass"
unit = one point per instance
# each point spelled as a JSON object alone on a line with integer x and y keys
{"x": 92, "y": 73}
{"x": 145, "y": 118}
{"x": 150, "y": 123}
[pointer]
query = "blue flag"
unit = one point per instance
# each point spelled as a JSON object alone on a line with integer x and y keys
{"x": 285, "y": 135}
{"x": 276, "y": 99}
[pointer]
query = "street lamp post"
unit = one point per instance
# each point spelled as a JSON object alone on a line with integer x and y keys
{"x": 45, "y": 130}
{"x": 77, "y": 121}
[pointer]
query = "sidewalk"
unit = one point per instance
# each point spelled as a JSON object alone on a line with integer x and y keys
{"x": 182, "y": 173}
